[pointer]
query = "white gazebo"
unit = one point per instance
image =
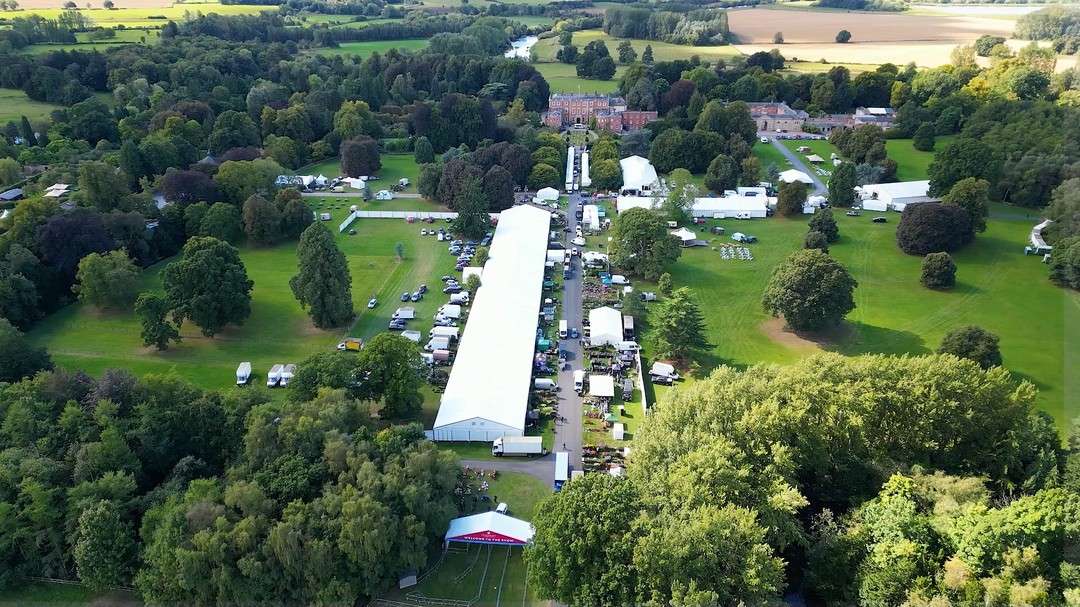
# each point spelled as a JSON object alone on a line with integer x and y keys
{"x": 605, "y": 326}
{"x": 602, "y": 386}
{"x": 546, "y": 195}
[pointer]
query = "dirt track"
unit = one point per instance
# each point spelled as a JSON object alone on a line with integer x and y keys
{"x": 757, "y": 25}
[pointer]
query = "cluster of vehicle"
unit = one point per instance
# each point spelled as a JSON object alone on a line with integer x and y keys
{"x": 278, "y": 375}
{"x": 876, "y": 219}
{"x": 440, "y": 234}
{"x": 416, "y": 295}
{"x": 465, "y": 249}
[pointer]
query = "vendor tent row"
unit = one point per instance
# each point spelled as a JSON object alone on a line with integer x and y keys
{"x": 487, "y": 395}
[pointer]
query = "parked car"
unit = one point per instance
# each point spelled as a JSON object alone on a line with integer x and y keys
{"x": 881, "y": 219}
{"x": 447, "y": 278}
{"x": 372, "y": 303}
{"x": 396, "y": 325}
{"x": 406, "y": 296}
{"x": 417, "y": 296}
{"x": 853, "y": 213}
{"x": 452, "y": 289}
{"x": 764, "y": 140}
{"x": 422, "y": 288}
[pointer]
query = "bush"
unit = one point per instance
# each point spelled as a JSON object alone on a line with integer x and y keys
{"x": 791, "y": 198}
{"x": 824, "y": 222}
{"x": 843, "y": 36}
{"x": 931, "y": 227}
{"x": 816, "y": 240}
{"x": 973, "y": 343}
{"x": 938, "y": 271}
{"x": 924, "y": 137}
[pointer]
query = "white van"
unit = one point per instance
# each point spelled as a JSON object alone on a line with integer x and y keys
{"x": 459, "y": 298}
{"x": 563, "y": 329}
{"x": 579, "y": 381}
{"x": 627, "y": 346}
{"x": 543, "y": 383}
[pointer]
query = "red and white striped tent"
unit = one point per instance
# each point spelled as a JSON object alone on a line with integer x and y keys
{"x": 490, "y": 528}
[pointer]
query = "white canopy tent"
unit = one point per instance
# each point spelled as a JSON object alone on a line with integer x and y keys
{"x": 792, "y": 175}
{"x": 894, "y": 196}
{"x": 605, "y": 326}
{"x": 602, "y": 386}
{"x": 546, "y": 195}
{"x": 487, "y": 394}
{"x": 684, "y": 235}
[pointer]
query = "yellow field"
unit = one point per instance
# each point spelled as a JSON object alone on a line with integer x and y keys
{"x": 136, "y": 13}
{"x": 758, "y": 25}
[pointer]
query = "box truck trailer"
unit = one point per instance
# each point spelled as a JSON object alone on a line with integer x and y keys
{"x": 274, "y": 376}
{"x": 517, "y": 445}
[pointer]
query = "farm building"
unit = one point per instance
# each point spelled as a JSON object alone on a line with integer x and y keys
{"x": 544, "y": 195}
{"x": 487, "y": 396}
{"x": 714, "y": 207}
{"x": 639, "y": 175}
{"x": 777, "y": 116}
{"x": 792, "y": 175}
{"x": 894, "y": 196}
{"x": 605, "y": 326}
{"x": 490, "y": 528}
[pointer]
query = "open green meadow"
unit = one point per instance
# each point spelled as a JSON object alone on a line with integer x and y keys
{"x": 563, "y": 78}
{"x": 40, "y": 594}
{"x": 14, "y": 104}
{"x": 472, "y": 574}
{"x": 821, "y": 147}
{"x": 394, "y": 167}
{"x": 769, "y": 155}
{"x": 911, "y": 164}
{"x": 998, "y": 288}
{"x": 155, "y": 17}
{"x": 363, "y": 49}
{"x": 662, "y": 51}
{"x": 278, "y": 330}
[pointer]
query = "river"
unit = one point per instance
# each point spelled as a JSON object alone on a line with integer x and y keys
{"x": 521, "y": 48}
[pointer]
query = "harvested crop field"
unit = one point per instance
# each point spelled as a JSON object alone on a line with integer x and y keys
{"x": 757, "y": 25}
{"x": 923, "y": 54}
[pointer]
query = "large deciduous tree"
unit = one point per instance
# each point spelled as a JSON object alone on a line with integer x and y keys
{"x": 222, "y": 221}
{"x": 641, "y": 244}
{"x": 472, "y": 207}
{"x": 360, "y": 157}
{"x": 931, "y": 227}
{"x": 108, "y": 280}
{"x": 208, "y": 285}
{"x": 810, "y": 290}
{"x": 388, "y": 371}
{"x": 972, "y": 195}
{"x": 791, "y": 198}
{"x": 104, "y": 547}
{"x": 296, "y": 215}
{"x": 262, "y": 220}
{"x": 824, "y": 222}
{"x": 498, "y": 186}
{"x": 157, "y": 330}
{"x": 323, "y": 283}
{"x": 723, "y": 174}
{"x": 102, "y": 186}
{"x": 842, "y": 185}
{"x": 18, "y": 357}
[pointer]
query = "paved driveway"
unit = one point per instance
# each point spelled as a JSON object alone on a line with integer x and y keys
{"x": 797, "y": 163}
{"x": 568, "y": 433}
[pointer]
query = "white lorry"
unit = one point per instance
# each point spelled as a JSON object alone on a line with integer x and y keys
{"x": 243, "y": 373}
{"x": 579, "y": 381}
{"x": 563, "y": 329}
{"x": 287, "y": 373}
{"x": 517, "y": 445}
{"x": 450, "y": 332}
{"x": 437, "y": 343}
{"x": 274, "y": 376}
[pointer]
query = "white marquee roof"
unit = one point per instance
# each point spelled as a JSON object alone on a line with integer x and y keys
{"x": 712, "y": 204}
{"x": 490, "y": 527}
{"x": 547, "y": 194}
{"x": 602, "y": 386}
{"x": 492, "y": 373}
{"x": 899, "y": 189}
{"x": 637, "y": 172}
{"x": 791, "y": 175}
{"x": 605, "y": 326}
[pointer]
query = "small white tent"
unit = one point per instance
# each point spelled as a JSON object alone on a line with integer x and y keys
{"x": 546, "y": 195}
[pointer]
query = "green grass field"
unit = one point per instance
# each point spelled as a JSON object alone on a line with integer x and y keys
{"x": 769, "y": 155}
{"x": 363, "y": 49}
{"x": 394, "y": 167}
{"x": 998, "y": 288}
{"x": 481, "y": 575}
{"x": 150, "y": 17}
{"x": 278, "y": 331}
{"x": 911, "y": 164}
{"x": 14, "y": 104}
{"x": 562, "y": 78}
{"x": 662, "y": 51}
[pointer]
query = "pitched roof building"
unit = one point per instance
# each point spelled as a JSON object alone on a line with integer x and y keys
{"x": 610, "y": 112}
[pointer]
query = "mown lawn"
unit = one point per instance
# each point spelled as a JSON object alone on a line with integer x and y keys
{"x": 562, "y": 78}
{"x": 278, "y": 330}
{"x": 662, "y": 51}
{"x": 769, "y": 155}
{"x": 912, "y": 164}
{"x": 822, "y": 148}
{"x": 482, "y": 575}
{"x": 14, "y": 104}
{"x": 363, "y": 49}
{"x": 394, "y": 167}
{"x": 39, "y": 594}
{"x": 998, "y": 288}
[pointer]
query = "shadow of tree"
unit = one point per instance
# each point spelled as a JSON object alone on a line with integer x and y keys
{"x": 852, "y": 338}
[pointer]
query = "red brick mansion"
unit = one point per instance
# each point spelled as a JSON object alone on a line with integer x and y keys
{"x": 610, "y": 112}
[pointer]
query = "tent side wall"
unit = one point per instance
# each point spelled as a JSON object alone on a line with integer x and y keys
{"x": 474, "y": 430}
{"x": 871, "y": 204}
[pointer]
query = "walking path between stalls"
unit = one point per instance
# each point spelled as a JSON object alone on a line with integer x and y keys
{"x": 797, "y": 163}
